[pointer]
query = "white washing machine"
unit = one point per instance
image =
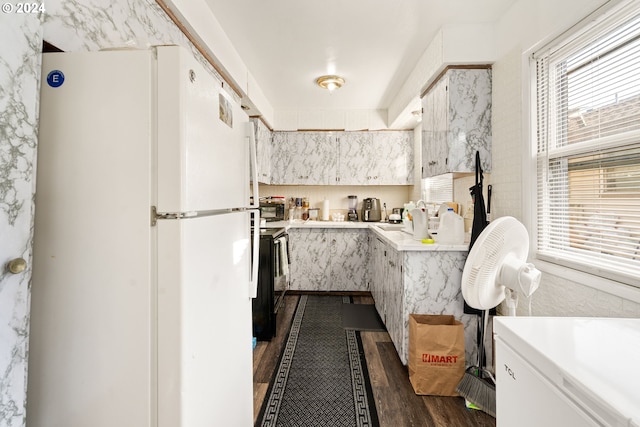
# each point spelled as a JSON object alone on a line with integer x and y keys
{"x": 567, "y": 372}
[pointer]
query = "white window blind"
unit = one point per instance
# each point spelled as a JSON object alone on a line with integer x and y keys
{"x": 438, "y": 189}
{"x": 588, "y": 148}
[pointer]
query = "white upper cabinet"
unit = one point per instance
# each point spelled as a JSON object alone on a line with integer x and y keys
{"x": 263, "y": 150}
{"x": 456, "y": 122}
{"x": 355, "y": 161}
{"x": 337, "y": 158}
{"x": 393, "y": 153}
{"x": 303, "y": 158}
{"x": 375, "y": 158}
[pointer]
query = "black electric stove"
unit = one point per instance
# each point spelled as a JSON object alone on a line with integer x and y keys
{"x": 273, "y": 281}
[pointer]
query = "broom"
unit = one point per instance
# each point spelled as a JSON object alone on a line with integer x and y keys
{"x": 474, "y": 387}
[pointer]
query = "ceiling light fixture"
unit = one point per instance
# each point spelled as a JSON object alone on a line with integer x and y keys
{"x": 330, "y": 82}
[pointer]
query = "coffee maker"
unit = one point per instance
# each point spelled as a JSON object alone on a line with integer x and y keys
{"x": 352, "y": 214}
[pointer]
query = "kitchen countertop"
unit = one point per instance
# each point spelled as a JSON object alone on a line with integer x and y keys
{"x": 390, "y": 233}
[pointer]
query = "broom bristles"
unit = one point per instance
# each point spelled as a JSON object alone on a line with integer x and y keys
{"x": 479, "y": 392}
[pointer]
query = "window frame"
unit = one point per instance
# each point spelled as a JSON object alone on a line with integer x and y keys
{"x": 623, "y": 285}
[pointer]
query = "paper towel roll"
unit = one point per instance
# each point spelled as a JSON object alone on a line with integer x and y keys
{"x": 325, "y": 209}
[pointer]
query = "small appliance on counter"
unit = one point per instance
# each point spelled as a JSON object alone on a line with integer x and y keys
{"x": 371, "y": 210}
{"x": 352, "y": 214}
{"x": 272, "y": 208}
{"x": 396, "y": 216}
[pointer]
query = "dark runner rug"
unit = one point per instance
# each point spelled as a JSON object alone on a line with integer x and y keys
{"x": 322, "y": 378}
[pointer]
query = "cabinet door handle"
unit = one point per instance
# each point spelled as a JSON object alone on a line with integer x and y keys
{"x": 16, "y": 266}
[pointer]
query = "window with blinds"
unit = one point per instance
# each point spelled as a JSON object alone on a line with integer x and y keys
{"x": 438, "y": 189}
{"x": 587, "y": 94}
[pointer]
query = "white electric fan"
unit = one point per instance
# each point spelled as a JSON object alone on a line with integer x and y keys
{"x": 496, "y": 266}
{"x": 495, "y": 269}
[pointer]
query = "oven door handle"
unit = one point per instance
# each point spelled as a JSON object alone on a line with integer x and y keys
{"x": 253, "y": 281}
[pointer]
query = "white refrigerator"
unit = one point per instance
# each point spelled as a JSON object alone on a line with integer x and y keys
{"x": 143, "y": 269}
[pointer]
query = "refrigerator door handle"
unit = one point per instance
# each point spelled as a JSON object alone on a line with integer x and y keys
{"x": 254, "y": 166}
{"x": 253, "y": 282}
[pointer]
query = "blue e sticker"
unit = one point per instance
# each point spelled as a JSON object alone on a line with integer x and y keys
{"x": 55, "y": 78}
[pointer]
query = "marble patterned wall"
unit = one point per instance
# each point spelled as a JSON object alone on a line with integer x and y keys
{"x": 88, "y": 25}
{"x": 71, "y": 25}
{"x": 19, "y": 77}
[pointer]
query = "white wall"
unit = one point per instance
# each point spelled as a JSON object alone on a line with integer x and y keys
{"x": 527, "y": 23}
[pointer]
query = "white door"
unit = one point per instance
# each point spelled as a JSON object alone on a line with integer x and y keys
{"x": 91, "y": 344}
{"x": 203, "y": 143}
{"x": 204, "y": 322}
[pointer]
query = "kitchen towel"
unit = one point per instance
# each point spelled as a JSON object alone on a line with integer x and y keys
{"x": 283, "y": 258}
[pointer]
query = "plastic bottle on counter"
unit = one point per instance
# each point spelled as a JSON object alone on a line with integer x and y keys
{"x": 298, "y": 212}
{"x": 450, "y": 229}
{"x": 407, "y": 208}
{"x": 305, "y": 208}
{"x": 468, "y": 219}
{"x": 468, "y": 223}
{"x": 406, "y": 217}
{"x": 292, "y": 208}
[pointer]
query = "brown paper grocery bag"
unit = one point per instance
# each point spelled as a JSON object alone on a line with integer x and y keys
{"x": 436, "y": 354}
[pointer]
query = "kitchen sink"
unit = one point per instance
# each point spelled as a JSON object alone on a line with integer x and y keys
{"x": 391, "y": 227}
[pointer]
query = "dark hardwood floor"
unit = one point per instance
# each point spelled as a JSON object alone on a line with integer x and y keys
{"x": 396, "y": 403}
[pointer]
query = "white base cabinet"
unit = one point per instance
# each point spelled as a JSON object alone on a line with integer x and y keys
{"x": 401, "y": 282}
{"x": 418, "y": 282}
{"x": 329, "y": 259}
{"x": 387, "y": 288}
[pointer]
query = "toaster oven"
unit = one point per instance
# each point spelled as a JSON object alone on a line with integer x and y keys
{"x": 271, "y": 211}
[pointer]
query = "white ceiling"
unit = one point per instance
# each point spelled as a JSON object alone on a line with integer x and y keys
{"x": 373, "y": 44}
